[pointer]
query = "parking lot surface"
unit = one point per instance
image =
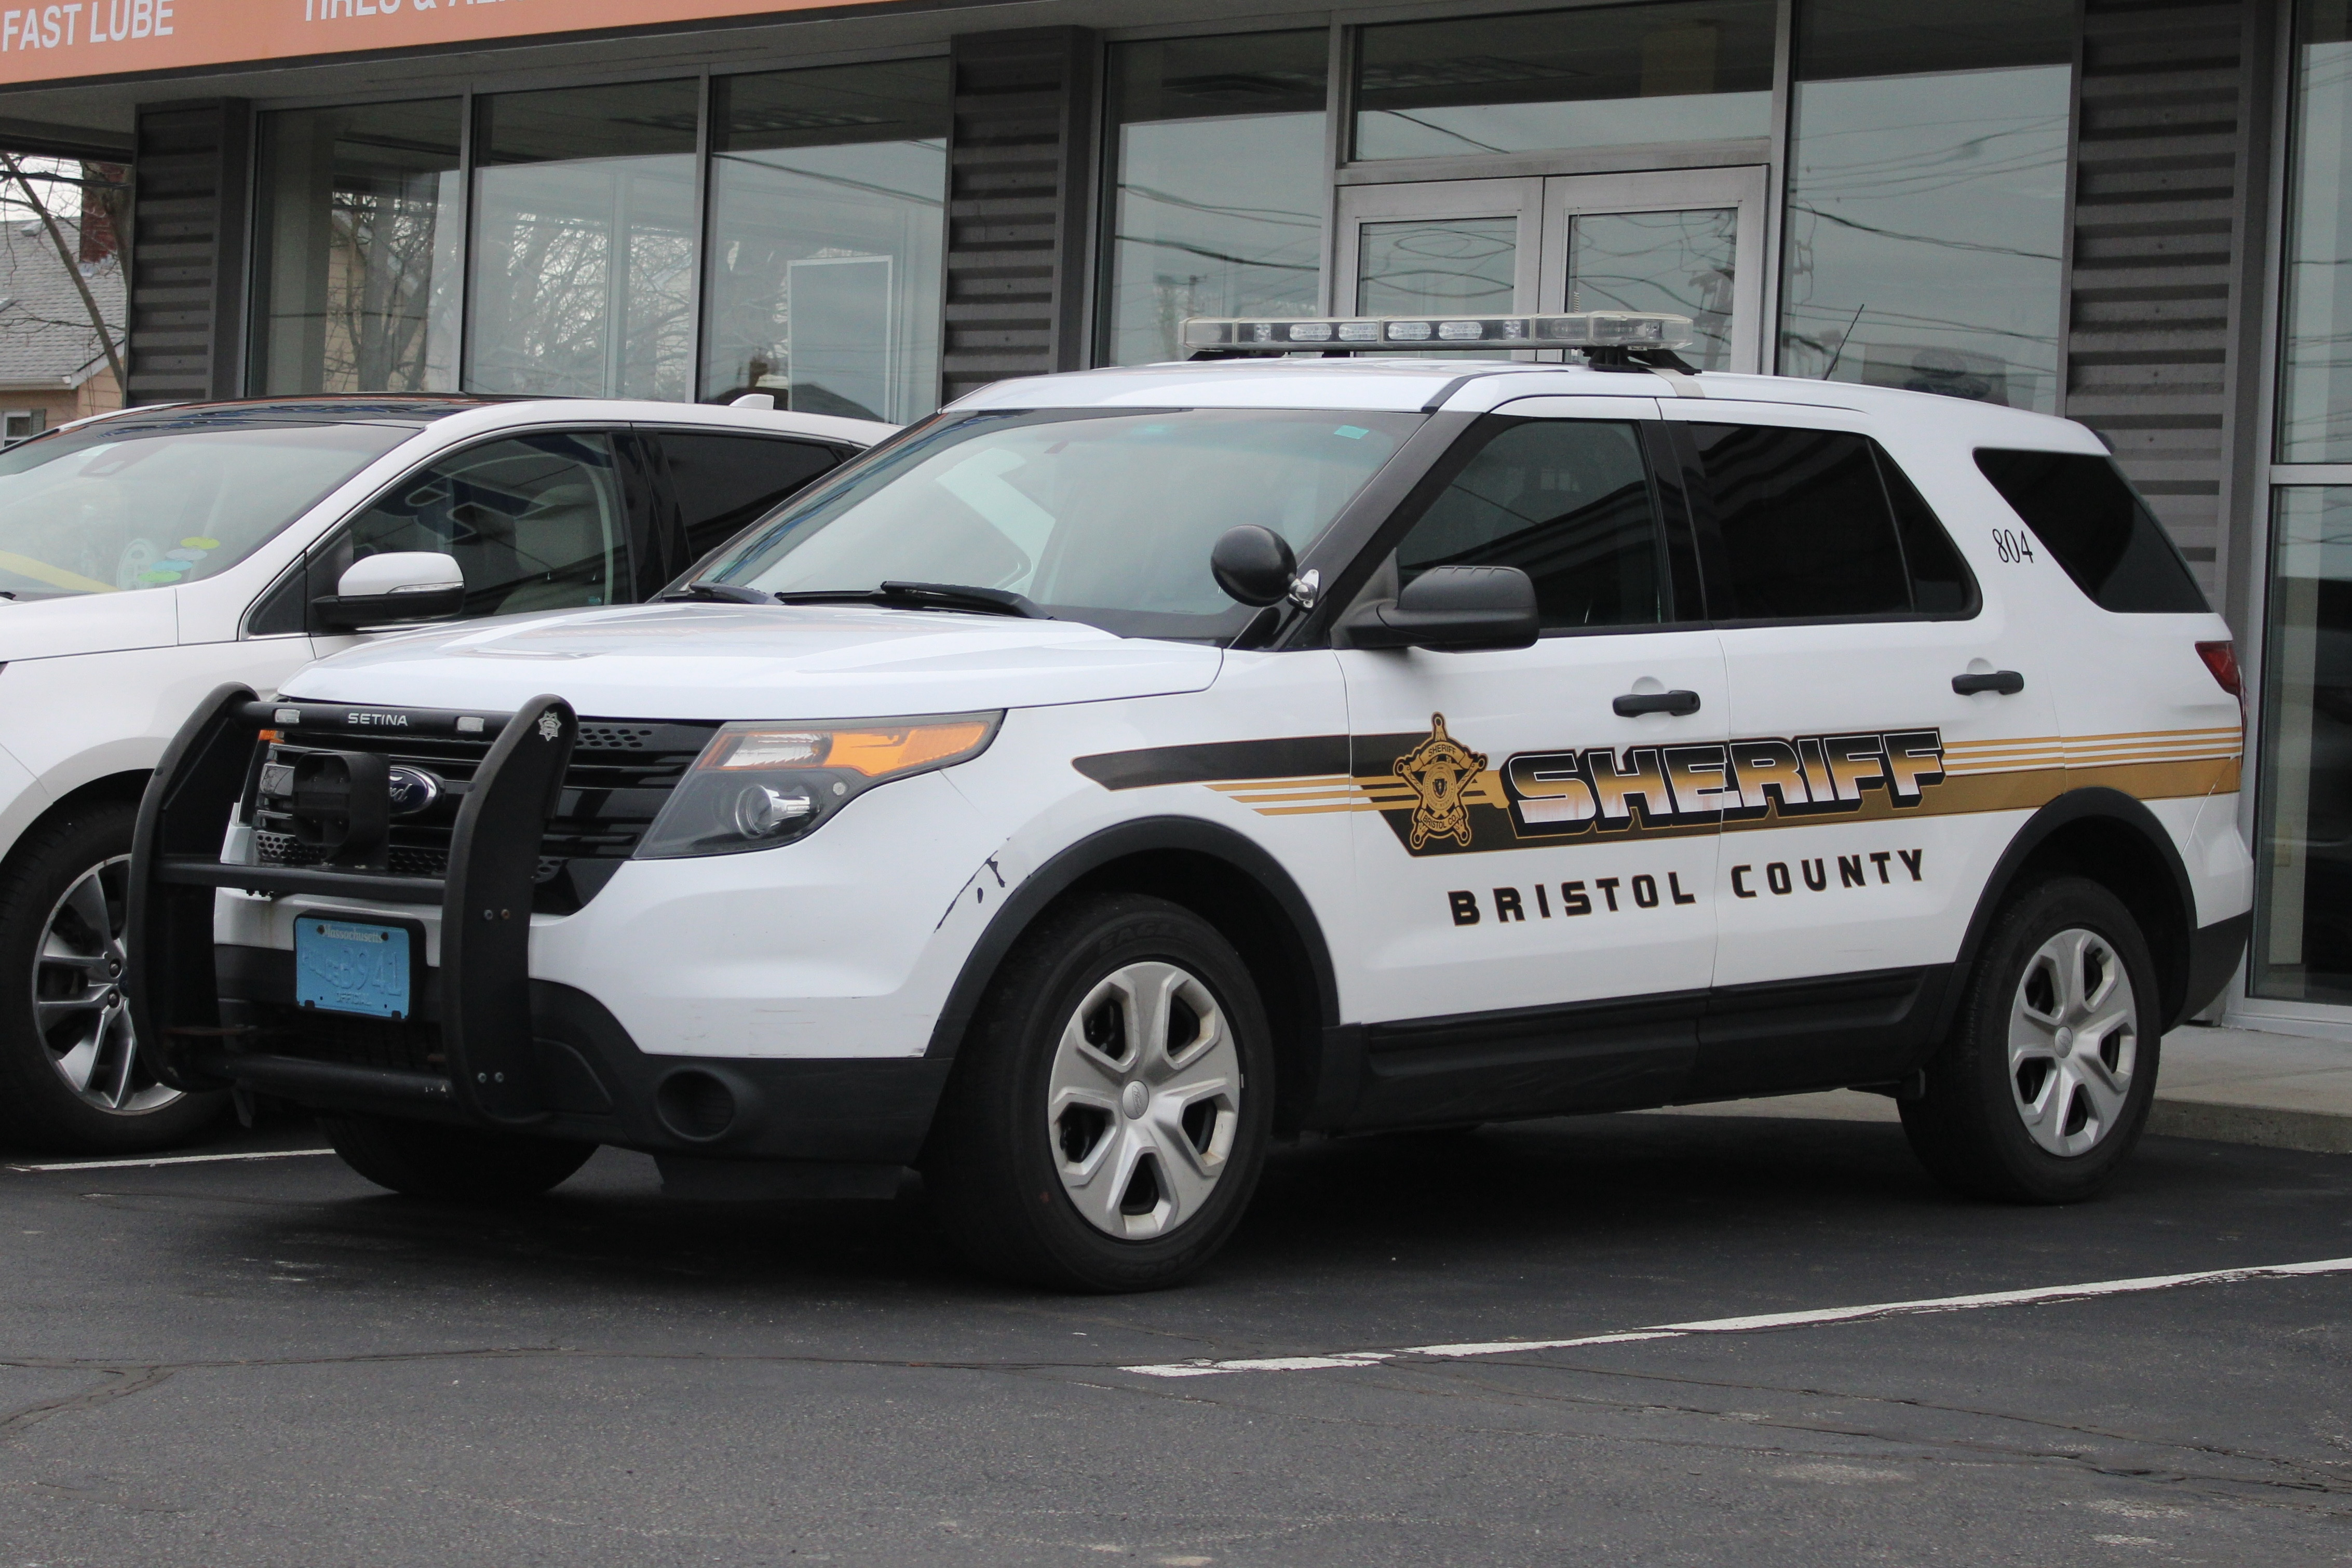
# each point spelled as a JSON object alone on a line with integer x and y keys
{"x": 269, "y": 1362}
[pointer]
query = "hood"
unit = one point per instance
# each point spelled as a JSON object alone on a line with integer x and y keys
{"x": 88, "y": 623}
{"x": 747, "y": 662}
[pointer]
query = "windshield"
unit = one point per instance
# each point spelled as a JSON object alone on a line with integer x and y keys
{"x": 100, "y": 511}
{"x": 1100, "y": 516}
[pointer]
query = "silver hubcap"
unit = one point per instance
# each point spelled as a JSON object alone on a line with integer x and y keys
{"x": 2073, "y": 1037}
{"x": 78, "y": 1009}
{"x": 1142, "y": 1104}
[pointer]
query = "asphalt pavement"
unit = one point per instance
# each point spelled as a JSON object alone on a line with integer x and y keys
{"x": 267, "y": 1361}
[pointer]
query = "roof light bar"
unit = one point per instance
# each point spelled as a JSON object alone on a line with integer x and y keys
{"x": 1582, "y": 330}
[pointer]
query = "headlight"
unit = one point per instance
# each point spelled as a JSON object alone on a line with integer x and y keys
{"x": 759, "y": 786}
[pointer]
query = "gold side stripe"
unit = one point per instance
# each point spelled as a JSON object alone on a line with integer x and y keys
{"x": 2030, "y": 742}
{"x": 2010, "y": 743}
{"x": 1303, "y": 781}
{"x": 1314, "y": 810}
{"x": 2005, "y": 758}
{"x": 1954, "y": 767}
{"x": 2158, "y": 734}
{"x": 1985, "y": 791}
{"x": 2111, "y": 759}
{"x": 1256, "y": 797}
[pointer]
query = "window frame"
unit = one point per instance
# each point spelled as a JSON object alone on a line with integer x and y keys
{"x": 1667, "y": 501}
{"x": 295, "y": 579}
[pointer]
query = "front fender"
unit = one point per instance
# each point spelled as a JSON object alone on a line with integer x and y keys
{"x": 1142, "y": 835}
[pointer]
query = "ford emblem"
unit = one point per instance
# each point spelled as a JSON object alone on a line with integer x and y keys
{"x": 412, "y": 790}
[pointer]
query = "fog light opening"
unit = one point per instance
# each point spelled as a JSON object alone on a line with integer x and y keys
{"x": 696, "y": 1106}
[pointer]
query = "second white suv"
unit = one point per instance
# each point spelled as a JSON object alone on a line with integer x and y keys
{"x": 147, "y": 556}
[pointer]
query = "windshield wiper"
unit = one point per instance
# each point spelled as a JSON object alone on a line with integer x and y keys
{"x": 704, "y": 591}
{"x": 923, "y": 596}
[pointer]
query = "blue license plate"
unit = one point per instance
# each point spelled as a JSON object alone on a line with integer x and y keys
{"x": 345, "y": 966}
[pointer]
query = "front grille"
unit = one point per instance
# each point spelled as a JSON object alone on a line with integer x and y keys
{"x": 405, "y": 860}
{"x": 621, "y": 772}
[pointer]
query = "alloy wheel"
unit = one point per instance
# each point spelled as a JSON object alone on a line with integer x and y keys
{"x": 2074, "y": 1038}
{"x": 1143, "y": 1101}
{"x": 80, "y": 1010}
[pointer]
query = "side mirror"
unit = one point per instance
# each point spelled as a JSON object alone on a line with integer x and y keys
{"x": 1255, "y": 566}
{"x": 397, "y": 588}
{"x": 1453, "y": 608}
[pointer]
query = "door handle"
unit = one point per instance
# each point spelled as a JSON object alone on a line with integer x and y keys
{"x": 2007, "y": 682}
{"x": 1634, "y": 704}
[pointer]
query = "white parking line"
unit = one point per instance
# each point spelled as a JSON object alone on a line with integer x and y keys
{"x": 1751, "y": 1324}
{"x": 170, "y": 1160}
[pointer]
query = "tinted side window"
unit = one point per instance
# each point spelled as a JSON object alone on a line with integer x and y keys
{"x": 1805, "y": 528}
{"x": 536, "y": 523}
{"x": 726, "y": 483}
{"x": 1941, "y": 582}
{"x": 2085, "y": 513}
{"x": 1566, "y": 501}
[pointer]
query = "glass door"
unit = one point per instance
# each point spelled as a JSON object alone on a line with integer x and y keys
{"x": 1470, "y": 246}
{"x": 1689, "y": 241}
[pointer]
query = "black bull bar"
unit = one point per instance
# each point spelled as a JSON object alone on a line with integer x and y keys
{"x": 211, "y": 769}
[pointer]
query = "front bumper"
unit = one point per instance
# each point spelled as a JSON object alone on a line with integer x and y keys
{"x": 596, "y": 1084}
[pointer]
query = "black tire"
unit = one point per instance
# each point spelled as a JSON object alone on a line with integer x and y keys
{"x": 994, "y": 1166}
{"x": 38, "y": 1108}
{"x": 452, "y": 1165}
{"x": 1970, "y": 1128}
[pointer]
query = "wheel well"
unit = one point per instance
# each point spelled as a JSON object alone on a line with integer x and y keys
{"x": 1251, "y": 918}
{"x": 124, "y": 787}
{"x": 2119, "y": 857}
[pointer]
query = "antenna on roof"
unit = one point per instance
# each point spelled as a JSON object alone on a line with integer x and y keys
{"x": 1608, "y": 339}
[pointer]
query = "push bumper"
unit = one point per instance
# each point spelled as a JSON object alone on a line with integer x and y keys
{"x": 487, "y": 1045}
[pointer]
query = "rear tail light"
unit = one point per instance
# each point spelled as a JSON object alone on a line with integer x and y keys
{"x": 2221, "y": 658}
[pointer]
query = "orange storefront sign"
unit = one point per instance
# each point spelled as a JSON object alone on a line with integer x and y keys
{"x": 41, "y": 43}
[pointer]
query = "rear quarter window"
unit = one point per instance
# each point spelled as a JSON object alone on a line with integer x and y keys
{"x": 2088, "y": 516}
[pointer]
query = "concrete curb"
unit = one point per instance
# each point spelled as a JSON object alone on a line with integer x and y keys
{"x": 2312, "y": 1131}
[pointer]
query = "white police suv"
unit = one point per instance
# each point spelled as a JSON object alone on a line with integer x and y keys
{"x": 1125, "y": 769}
{"x": 147, "y": 556}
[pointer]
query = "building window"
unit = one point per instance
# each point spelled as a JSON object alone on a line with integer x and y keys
{"x": 1218, "y": 185}
{"x": 828, "y": 195}
{"x": 1927, "y": 196}
{"x": 2315, "y": 385}
{"x": 2302, "y": 909}
{"x": 22, "y": 424}
{"x": 1615, "y": 77}
{"x": 584, "y": 242}
{"x": 357, "y": 237}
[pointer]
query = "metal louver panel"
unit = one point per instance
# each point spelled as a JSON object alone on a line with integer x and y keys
{"x": 187, "y": 251}
{"x": 2159, "y": 286}
{"x": 1020, "y": 179}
